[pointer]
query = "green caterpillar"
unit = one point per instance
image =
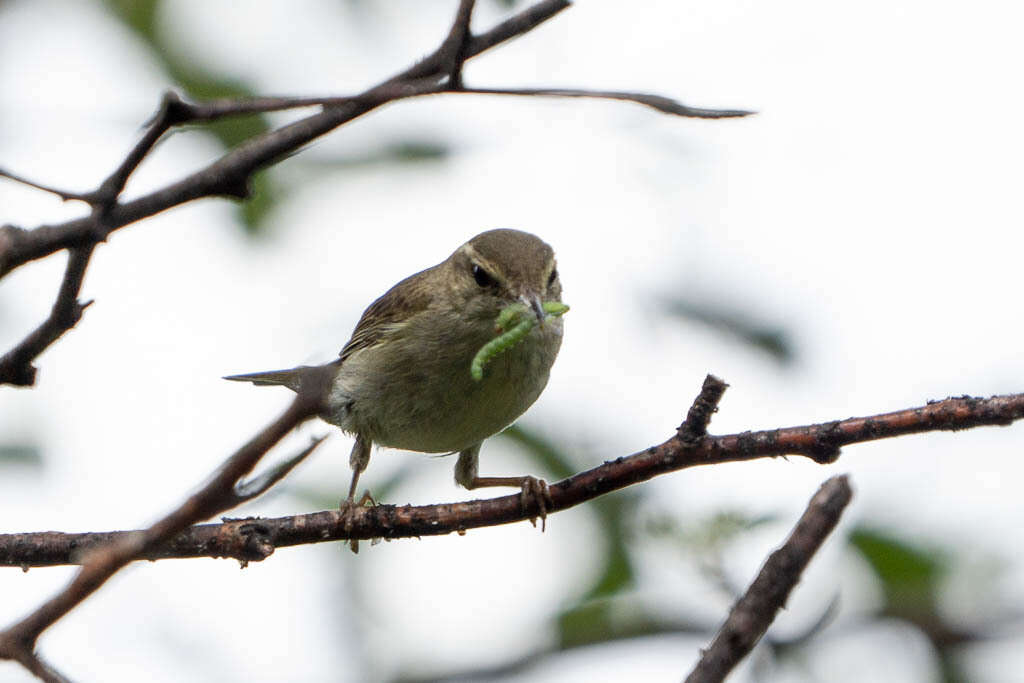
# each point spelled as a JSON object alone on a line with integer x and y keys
{"x": 512, "y": 331}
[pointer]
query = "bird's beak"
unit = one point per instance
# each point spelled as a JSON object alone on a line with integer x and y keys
{"x": 534, "y": 303}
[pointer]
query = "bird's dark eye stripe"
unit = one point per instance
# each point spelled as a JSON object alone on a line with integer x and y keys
{"x": 482, "y": 277}
{"x": 553, "y": 276}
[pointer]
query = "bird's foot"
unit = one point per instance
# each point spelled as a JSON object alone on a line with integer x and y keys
{"x": 348, "y": 509}
{"x": 535, "y": 496}
{"x": 535, "y": 493}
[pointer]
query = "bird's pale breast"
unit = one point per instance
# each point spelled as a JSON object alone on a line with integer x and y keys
{"x": 414, "y": 390}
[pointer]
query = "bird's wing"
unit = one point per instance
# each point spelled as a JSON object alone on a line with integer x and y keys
{"x": 386, "y": 314}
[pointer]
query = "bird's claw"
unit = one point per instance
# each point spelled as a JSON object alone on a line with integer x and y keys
{"x": 348, "y": 509}
{"x": 535, "y": 493}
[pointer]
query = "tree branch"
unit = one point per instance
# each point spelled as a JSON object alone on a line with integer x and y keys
{"x": 229, "y": 175}
{"x": 665, "y": 105}
{"x": 170, "y": 113}
{"x": 238, "y": 538}
{"x": 100, "y": 562}
{"x": 63, "y": 194}
{"x": 39, "y": 668}
{"x": 16, "y": 365}
{"x": 753, "y": 613}
{"x": 452, "y": 53}
{"x": 695, "y": 426}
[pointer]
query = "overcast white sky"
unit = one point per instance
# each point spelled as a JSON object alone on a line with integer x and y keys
{"x": 873, "y": 208}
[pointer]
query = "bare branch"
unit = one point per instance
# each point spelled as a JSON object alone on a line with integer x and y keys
{"x": 516, "y": 25}
{"x": 229, "y": 175}
{"x": 433, "y": 69}
{"x": 39, "y": 668}
{"x": 16, "y": 365}
{"x": 820, "y": 442}
{"x": 247, "y": 490}
{"x": 704, "y": 406}
{"x": 753, "y": 613}
{"x": 99, "y": 563}
{"x": 105, "y": 196}
{"x": 211, "y": 110}
{"x": 665, "y": 105}
{"x": 452, "y": 52}
{"x": 63, "y": 194}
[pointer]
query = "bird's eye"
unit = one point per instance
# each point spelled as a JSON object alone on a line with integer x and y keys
{"x": 482, "y": 277}
{"x": 553, "y": 276}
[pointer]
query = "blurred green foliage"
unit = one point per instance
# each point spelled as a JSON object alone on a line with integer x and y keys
{"x": 707, "y": 536}
{"x": 910, "y": 575}
{"x": 201, "y": 83}
{"x": 740, "y": 324}
{"x": 21, "y": 455}
{"x": 401, "y": 151}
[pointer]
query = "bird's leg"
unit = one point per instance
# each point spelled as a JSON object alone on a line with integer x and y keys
{"x": 358, "y": 460}
{"x": 534, "y": 491}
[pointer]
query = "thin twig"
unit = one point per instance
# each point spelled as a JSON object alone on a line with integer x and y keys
{"x": 39, "y": 668}
{"x": 253, "y": 488}
{"x": 105, "y": 196}
{"x": 666, "y": 105}
{"x": 452, "y": 53}
{"x": 63, "y": 194}
{"x": 102, "y": 562}
{"x": 16, "y": 365}
{"x": 704, "y": 406}
{"x": 234, "y": 538}
{"x": 516, "y": 25}
{"x": 753, "y": 613}
{"x": 212, "y": 110}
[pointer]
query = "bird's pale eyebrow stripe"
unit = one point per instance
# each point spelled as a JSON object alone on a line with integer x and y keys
{"x": 476, "y": 259}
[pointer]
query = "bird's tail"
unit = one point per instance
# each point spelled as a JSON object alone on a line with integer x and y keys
{"x": 291, "y": 378}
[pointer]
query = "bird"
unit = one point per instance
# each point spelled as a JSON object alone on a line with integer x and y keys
{"x": 403, "y": 379}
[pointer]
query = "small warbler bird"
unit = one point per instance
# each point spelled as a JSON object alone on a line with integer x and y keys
{"x": 403, "y": 380}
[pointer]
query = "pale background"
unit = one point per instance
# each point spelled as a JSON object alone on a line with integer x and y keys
{"x": 872, "y": 209}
